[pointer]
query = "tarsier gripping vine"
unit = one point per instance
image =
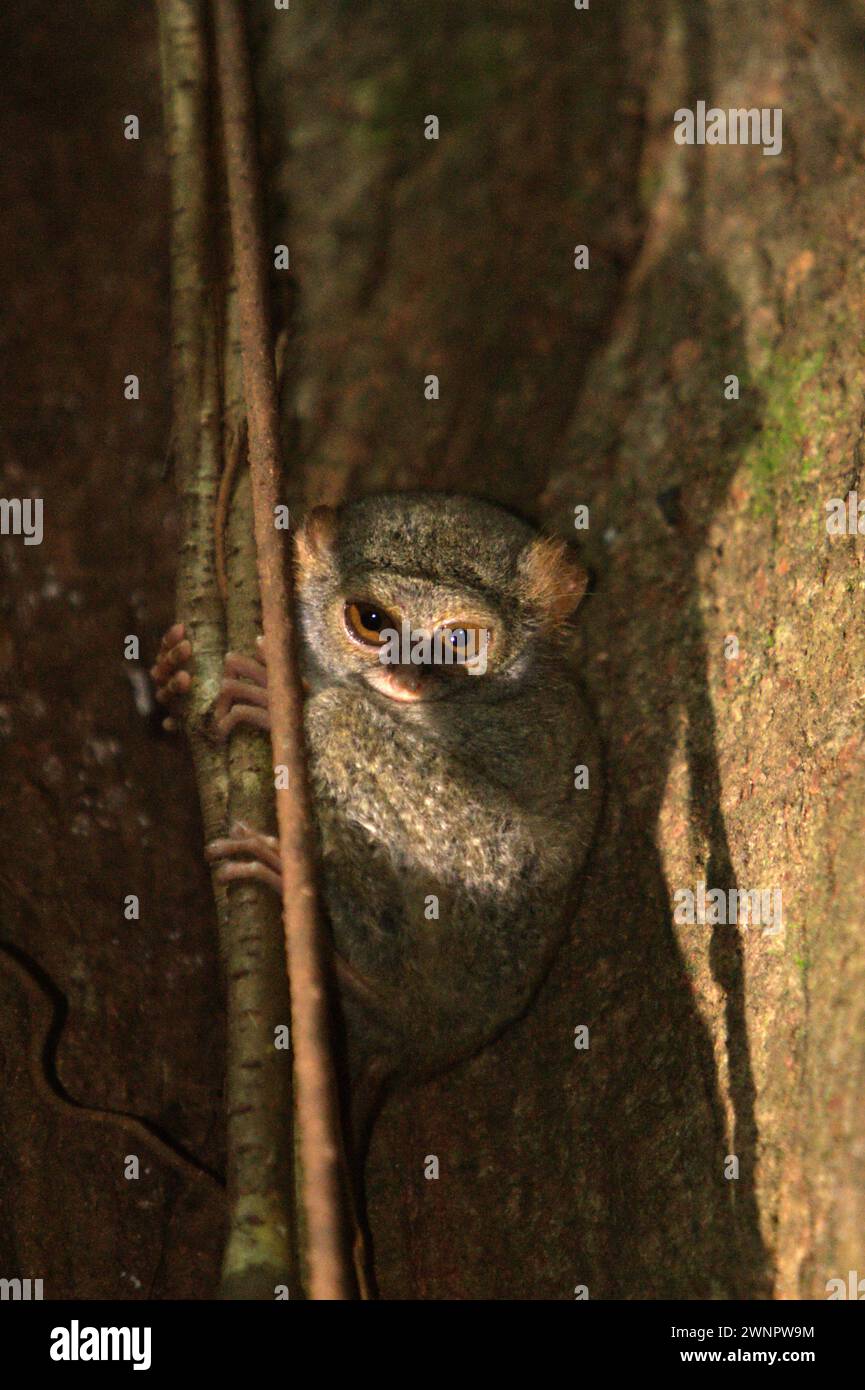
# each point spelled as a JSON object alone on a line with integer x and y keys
{"x": 450, "y": 828}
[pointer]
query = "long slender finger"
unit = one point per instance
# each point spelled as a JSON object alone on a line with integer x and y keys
{"x": 267, "y": 850}
{"x": 178, "y": 685}
{"x": 170, "y": 639}
{"x": 243, "y": 714}
{"x": 263, "y": 847}
{"x": 175, "y": 634}
{"x": 253, "y": 869}
{"x": 170, "y": 660}
{"x": 249, "y": 667}
{"x": 233, "y": 692}
{"x": 224, "y": 847}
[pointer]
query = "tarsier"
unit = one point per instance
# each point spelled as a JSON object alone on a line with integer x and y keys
{"x": 451, "y": 830}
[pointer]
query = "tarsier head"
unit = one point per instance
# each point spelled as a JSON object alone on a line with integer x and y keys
{"x": 428, "y": 596}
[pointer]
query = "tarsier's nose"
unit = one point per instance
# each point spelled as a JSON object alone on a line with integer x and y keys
{"x": 408, "y": 682}
{"x": 404, "y": 673}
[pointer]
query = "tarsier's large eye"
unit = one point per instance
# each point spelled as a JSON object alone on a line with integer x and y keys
{"x": 466, "y": 639}
{"x": 366, "y": 622}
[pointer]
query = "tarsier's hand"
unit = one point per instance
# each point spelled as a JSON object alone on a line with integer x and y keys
{"x": 171, "y": 673}
{"x": 245, "y": 853}
{"x": 243, "y": 697}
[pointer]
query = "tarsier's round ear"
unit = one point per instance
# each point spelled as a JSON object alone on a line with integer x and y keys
{"x": 313, "y": 544}
{"x": 552, "y": 580}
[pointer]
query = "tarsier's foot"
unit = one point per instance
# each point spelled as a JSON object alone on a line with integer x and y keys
{"x": 243, "y": 697}
{"x": 249, "y": 854}
{"x": 263, "y": 862}
{"x": 171, "y": 672}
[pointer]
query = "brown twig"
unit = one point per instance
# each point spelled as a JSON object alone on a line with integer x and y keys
{"x": 314, "y": 1083}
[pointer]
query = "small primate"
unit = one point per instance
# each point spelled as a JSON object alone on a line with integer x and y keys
{"x": 452, "y": 828}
